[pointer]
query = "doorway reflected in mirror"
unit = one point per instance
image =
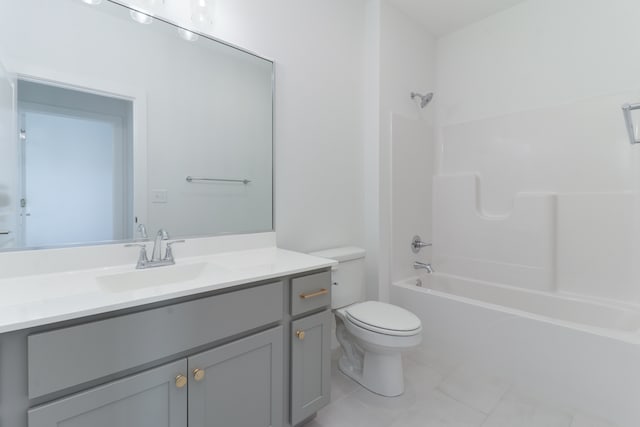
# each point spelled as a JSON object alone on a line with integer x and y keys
{"x": 75, "y": 167}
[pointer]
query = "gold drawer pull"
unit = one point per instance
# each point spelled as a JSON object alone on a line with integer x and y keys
{"x": 300, "y": 335}
{"x": 198, "y": 374}
{"x": 181, "y": 381}
{"x": 322, "y": 291}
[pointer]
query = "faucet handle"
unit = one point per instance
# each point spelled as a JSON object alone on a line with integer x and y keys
{"x": 143, "y": 259}
{"x": 136, "y": 245}
{"x": 168, "y": 256}
{"x": 417, "y": 244}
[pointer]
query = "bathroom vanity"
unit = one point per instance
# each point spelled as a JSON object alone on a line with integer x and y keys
{"x": 235, "y": 334}
{"x": 245, "y": 343}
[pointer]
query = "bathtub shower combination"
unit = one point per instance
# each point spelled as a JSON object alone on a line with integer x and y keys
{"x": 537, "y": 289}
{"x": 570, "y": 352}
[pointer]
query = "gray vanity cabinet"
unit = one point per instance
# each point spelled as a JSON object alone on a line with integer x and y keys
{"x": 310, "y": 365}
{"x": 238, "y": 384}
{"x": 148, "y": 399}
{"x": 223, "y": 359}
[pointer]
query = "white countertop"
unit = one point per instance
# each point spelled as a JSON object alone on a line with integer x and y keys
{"x": 35, "y": 300}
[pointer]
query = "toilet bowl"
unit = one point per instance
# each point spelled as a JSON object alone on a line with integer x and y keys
{"x": 373, "y": 336}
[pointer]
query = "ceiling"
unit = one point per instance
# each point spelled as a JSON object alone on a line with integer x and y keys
{"x": 441, "y": 17}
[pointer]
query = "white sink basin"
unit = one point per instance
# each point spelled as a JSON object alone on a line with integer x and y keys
{"x": 156, "y": 276}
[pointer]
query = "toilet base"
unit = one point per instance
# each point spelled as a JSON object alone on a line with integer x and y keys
{"x": 372, "y": 359}
{"x": 380, "y": 373}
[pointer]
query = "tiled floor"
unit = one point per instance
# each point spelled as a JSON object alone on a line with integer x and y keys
{"x": 438, "y": 395}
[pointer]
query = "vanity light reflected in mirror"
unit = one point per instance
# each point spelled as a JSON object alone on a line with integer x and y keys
{"x": 188, "y": 35}
{"x": 200, "y": 12}
{"x": 146, "y": 11}
{"x": 140, "y": 17}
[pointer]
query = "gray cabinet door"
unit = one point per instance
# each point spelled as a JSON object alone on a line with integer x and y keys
{"x": 240, "y": 385}
{"x": 310, "y": 365}
{"x": 149, "y": 399}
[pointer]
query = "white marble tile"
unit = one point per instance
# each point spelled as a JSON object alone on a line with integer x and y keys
{"x": 426, "y": 355}
{"x": 439, "y": 410}
{"x": 582, "y": 420}
{"x": 419, "y": 378}
{"x": 550, "y": 417}
{"x": 341, "y": 385}
{"x": 518, "y": 410}
{"x": 391, "y": 406}
{"x": 350, "y": 412}
{"x": 466, "y": 398}
{"x": 474, "y": 388}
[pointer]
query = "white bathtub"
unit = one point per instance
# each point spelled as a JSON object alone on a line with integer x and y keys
{"x": 572, "y": 351}
{"x": 581, "y": 312}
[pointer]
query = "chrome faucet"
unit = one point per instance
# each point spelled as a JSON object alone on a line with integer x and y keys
{"x": 156, "y": 255}
{"x": 423, "y": 266}
{"x": 143, "y": 231}
{"x": 157, "y": 260}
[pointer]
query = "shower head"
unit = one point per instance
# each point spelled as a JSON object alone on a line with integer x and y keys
{"x": 424, "y": 99}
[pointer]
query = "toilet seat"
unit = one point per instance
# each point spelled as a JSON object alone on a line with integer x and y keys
{"x": 382, "y": 318}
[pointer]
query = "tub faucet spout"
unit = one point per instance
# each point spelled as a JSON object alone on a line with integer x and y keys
{"x": 423, "y": 266}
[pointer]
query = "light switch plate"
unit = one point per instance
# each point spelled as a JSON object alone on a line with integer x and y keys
{"x": 159, "y": 196}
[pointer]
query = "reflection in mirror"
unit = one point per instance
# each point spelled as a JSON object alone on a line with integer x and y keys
{"x": 81, "y": 143}
{"x": 98, "y": 134}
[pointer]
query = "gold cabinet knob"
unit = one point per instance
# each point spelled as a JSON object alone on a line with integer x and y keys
{"x": 198, "y": 374}
{"x": 300, "y": 334}
{"x": 181, "y": 381}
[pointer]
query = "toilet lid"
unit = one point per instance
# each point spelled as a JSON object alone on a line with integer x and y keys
{"x": 385, "y": 318}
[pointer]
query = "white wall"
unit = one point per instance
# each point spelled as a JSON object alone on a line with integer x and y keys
{"x": 541, "y": 53}
{"x": 318, "y": 50}
{"x": 371, "y": 148}
{"x": 529, "y": 102}
{"x": 399, "y": 164}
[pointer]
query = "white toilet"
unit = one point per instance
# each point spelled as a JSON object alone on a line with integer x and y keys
{"x": 372, "y": 334}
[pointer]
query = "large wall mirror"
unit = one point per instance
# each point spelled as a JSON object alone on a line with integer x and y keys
{"x": 114, "y": 123}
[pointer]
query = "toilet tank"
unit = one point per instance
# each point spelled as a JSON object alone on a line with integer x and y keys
{"x": 348, "y": 279}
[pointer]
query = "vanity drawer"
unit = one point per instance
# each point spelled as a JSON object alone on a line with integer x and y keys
{"x": 71, "y": 356}
{"x": 310, "y": 292}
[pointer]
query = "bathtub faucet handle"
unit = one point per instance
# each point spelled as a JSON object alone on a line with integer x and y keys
{"x": 417, "y": 244}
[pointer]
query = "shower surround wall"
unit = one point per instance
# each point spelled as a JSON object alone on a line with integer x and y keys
{"x": 537, "y": 184}
{"x": 399, "y": 139}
